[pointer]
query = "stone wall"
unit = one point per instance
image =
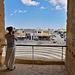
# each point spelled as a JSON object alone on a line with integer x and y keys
{"x": 2, "y": 27}
{"x": 70, "y": 53}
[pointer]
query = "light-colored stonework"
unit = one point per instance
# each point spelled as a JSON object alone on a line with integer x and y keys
{"x": 2, "y": 27}
{"x": 70, "y": 53}
{"x": 22, "y": 69}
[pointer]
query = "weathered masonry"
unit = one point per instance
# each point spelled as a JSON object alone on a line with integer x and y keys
{"x": 70, "y": 51}
{"x": 2, "y": 28}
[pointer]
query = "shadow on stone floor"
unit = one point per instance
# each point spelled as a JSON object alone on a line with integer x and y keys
{"x": 22, "y": 69}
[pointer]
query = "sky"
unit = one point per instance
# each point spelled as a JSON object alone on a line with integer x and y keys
{"x": 33, "y": 14}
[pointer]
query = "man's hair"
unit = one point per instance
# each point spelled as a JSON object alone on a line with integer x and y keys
{"x": 9, "y": 29}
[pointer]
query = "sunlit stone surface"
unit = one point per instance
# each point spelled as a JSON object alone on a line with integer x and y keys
{"x": 70, "y": 53}
{"x": 2, "y": 27}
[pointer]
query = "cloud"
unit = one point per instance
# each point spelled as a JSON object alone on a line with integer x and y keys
{"x": 42, "y": 7}
{"x": 58, "y": 7}
{"x": 15, "y": 11}
{"x": 30, "y": 2}
{"x": 25, "y": 11}
{"x": 57, "y": 2}
{"x": 54, "y": 2}
{"x": 20, "y": 11}
{"x": 11, "y": 14}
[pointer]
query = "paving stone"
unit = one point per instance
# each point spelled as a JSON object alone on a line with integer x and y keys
{"x": 22, "y": 69}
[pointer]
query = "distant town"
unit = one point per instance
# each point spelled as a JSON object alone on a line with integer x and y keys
{"x": 41, "y": 34}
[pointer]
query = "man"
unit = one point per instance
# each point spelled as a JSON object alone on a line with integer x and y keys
{"x": 10, "y": 51}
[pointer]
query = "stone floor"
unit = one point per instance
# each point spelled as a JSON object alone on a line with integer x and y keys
{"x": 22, "y": 69}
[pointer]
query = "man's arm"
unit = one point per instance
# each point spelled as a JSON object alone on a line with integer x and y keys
{"x": 15, "y": 37}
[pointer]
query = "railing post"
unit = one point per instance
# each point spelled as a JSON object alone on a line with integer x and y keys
{"x": 32, "y": 56}
{"x": 62, "y": 53}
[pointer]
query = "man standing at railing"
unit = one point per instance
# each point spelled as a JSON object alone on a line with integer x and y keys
{"x": 10, "y": 51}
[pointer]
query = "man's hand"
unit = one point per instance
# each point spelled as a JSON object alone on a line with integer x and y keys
{"x": 16, "y": 39}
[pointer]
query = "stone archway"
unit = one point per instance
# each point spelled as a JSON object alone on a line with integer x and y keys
{"x": 70, "y": 53}
{"x": 2, "y": 28}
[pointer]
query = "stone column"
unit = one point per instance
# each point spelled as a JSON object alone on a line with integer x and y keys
{"x": 2, "y": 28}
{"x": 70, "y": 52}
